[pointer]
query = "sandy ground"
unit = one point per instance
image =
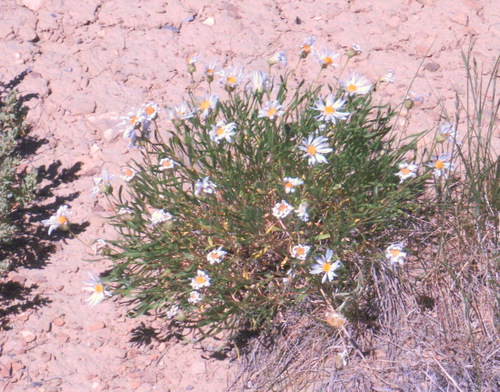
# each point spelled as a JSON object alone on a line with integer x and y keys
{"x": 90, "y": 62}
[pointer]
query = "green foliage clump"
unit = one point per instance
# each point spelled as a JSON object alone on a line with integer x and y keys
{"x": 211, "y": 232}
{"x": 16, "y": 186}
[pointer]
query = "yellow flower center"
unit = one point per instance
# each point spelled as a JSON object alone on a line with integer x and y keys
{"x": 306, "y": 48}
{"x": 200, "y": 279}
{"x": 352, "y": 88}
{"x": 133, "y": 120}
{"x": 329, "y": 110}
{"x": 311, "y": 150}
{"x": 271, "y": 112}
{"x": 149, "y": 110}
{"x": 204, "y": 105}
{"x": 439, "y": 164}
{"x": 405, "y": 171}
{"x": 231, "y": 80}
{"x": 167, "y": 163}
{"x": 326, "y": 267}
{"x": 99, "y": 288}
{"x": 395, "y": 252}
{"x": 61, "y": 220}
{"x": 327, "y": 60}
{"x": 300, "y": 251}
{"x": 220, "y": 131}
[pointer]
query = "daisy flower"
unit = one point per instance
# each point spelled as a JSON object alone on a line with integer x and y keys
{"x": 200, "y": 280}
{"x": 125, "y": 211}
{"x": 204, "y": 185}
{"x": 291, "y": 183}
{"x": 223, "y": 131}
{"x": 394, "y": 253}
{"x": 99, "y": 246}
{"x": 59, "y": 220}
{"x": 282, "y": 209}
{"x": 173, "y": 311}
{"x": 307, "y": 46}
{"x": 354, "y": 50}
{"x": 314, "y": 148}
{"x": 446, "y": 132}
{"x": 388, "y": 77}
{"x": 207, "y": 105}
{"x": 271, "y": 110}
{"x": 329, "y": 109}
{"x": 300, "y": 251}
{"x": 357, "y": 85}
{"x": 260, "y": 82}
{"x": 132, "y": 121}
{"x": 441, "y": 165}
{"x": 160, "y": 216}
{"x": 231, "y": 78}
{"x": 302, "y": 212}
{"x": 194, "y": 297}
{"x": 180, "y": 113}
{"x": 128, "y": 174}
{"x": 167, "y": 164}
{"x": 102, "y": 184}
{"x": 326, "y": 57}
{"x": 210, "y": 71}
{"x": 278, "y": 57}
{"x": 150, "y": 111}
{"x": 406, "y": 170}
{"x": 97, "y": 289}
{"x": 326, "y": 266}
{"x": 216, "y": 255}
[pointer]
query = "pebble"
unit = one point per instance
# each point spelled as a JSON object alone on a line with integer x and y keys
{"x": 59, "y": 322}
{"x": 97, "y": 326}
{"x": 17, "y": 366}
{"x": 62, "y": 337}
{"x": 28, "y": 335}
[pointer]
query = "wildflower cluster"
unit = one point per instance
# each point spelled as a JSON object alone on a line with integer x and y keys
{"x": 260, "y": 200}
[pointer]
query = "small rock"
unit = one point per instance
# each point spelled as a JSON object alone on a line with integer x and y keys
{"x": 97, "y": 326}
{"x": 431, "y": 67}
{"x": 45, "y": 356}
{"x": 5, "y": 370}
{"x": 209, "y": 21}
{"x": 23, "y": 317}
{"x": 59, "y": 287}
{"x": 17, "y": 366}
{"x": 28, "y": 335}
{"x": 59, "y": 322}
{"x": 33, "y": 5}
{"x": 62, "y": 337}
{"x": 134, "y": 384}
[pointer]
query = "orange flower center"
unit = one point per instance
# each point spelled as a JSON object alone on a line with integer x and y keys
{"x": 231, "y": 80}
{"x": 271, "y": 112}
{"x": 395, "y": 252}
{"x": 150, "y": 110}
{"x": 439, "y": 165}
{"x": 327, "y": 60}
{"x": 306, "y": 48}
{"x": 300, "y": 251}
{"x": 352, "y": 88}
{"x": 200, "y": 279}
{"x": 405, "y": 171}
{"x": 209, "y": 72}
{"x": 311, "y": 150}
{"x": 167, "y": 163}
{"x": 128, "y": 172}
{"x": 326, "y": 267}
{"x": 220, "y": 131}
{"x": 329, "y": 110}
{"x": 289, "y": 185}
{"x": 204, "y": 105}
{"x": 62, "y": 220}
{"x": 282, "y": 207}
{"x": 99, "y": 288}
{"x": 133, "y": 120}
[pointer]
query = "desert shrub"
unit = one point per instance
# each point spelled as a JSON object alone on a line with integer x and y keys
{"x": 271, "y": 196}
{"x": 16, "y": 185}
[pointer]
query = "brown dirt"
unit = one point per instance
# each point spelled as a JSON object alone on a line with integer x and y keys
{"x": 90, "y": 62}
